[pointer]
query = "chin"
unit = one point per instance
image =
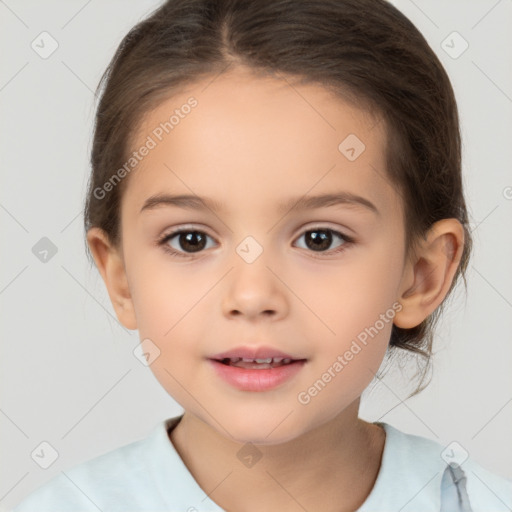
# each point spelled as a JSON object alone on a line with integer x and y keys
{"x": 265, "y": 430}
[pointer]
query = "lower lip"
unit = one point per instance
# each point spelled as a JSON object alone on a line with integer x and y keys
{"x": 247, "y": 379}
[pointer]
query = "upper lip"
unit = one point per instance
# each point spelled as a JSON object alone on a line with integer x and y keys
{"x": 247, "y": 352}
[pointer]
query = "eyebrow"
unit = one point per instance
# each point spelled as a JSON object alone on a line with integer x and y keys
{"x": 193, "y": 202}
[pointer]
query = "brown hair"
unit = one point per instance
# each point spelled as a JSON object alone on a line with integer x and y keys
{"x": 366, "y": 51}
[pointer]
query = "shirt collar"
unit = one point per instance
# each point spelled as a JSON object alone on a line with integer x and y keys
{"x": 410, "y": 475}
{"x": 178, "y": 488}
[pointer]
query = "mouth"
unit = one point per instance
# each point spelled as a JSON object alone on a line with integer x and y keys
{"x": 256, "y": 368}
{"x": 258, "y": 355}
{"x": 257, "y": 374}
{"x": 257, "y": 363}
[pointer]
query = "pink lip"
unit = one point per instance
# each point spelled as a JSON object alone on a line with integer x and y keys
{"x": 247, "y": 352}
{"x": 247, "y": 379}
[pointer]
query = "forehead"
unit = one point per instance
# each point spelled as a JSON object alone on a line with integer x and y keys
{"x": 249, "y": 138}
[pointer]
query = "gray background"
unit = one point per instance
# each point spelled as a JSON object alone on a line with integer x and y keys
{"x": 68, "y": 374}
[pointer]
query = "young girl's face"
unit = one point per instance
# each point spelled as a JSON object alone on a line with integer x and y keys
{"x": 260, "y": 273}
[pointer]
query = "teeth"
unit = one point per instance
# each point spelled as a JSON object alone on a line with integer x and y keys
{"x": 268, "y": 360}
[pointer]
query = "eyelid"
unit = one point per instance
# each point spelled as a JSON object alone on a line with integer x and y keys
{"x": 343, "y": 230}
{"x": 322, "y": 224}
{"x": 185, "y": 227}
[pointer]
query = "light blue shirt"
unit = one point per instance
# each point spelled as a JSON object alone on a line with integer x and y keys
{"x": 149, "y": 476}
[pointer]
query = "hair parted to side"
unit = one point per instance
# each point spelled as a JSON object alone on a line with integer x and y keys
{"x": 366, "y": 51}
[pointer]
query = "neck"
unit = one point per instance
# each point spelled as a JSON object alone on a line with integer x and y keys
{"x": 330, "y": 467}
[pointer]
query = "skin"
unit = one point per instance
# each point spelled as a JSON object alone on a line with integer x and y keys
{"x": 250, "y": 156}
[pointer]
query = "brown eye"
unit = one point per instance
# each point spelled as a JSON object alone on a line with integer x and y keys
{"x": 318, "y": 240}
{"x": 321, "y": 239}
{"x": 184, "y": 242}
{"x": 192, "y": 241}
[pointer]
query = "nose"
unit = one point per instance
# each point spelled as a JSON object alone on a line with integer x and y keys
{"x": 255, "y": 290}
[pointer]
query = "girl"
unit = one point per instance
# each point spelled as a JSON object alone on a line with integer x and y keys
{"x": 275, "y": 204}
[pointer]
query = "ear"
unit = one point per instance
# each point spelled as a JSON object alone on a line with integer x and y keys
{"x": 112, "y": 269}
{"x": 427, "y": 279}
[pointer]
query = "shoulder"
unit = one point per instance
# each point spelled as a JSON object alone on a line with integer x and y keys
{"x": 486, "y": 490}
{"x": 445, "y": 475}
{"x": 114, "y": 481}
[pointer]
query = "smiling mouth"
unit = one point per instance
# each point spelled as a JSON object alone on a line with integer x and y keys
{"x": 258, "y": 364}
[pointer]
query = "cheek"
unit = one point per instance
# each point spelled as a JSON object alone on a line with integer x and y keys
{"x": 350, "y": 295}
{"x": 163, "y": 304}
{"x": 163, "y": 290}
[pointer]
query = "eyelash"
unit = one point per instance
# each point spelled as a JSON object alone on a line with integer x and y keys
{"x": 178, "y": 254}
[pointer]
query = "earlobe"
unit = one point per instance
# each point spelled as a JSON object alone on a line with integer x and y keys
{"x": 428, "y": 278}
{"x": 111, "y": 266}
